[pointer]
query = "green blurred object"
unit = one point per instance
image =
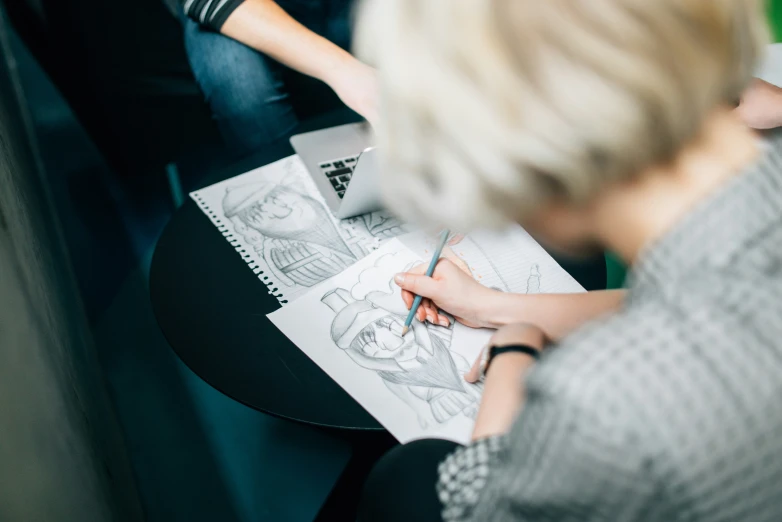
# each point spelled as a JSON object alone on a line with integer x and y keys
{"x": 615, "y": 272}
{"x": 774, "y": 9}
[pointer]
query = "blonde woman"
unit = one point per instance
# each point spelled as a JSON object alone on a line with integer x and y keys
{"x": 600, "y": 123}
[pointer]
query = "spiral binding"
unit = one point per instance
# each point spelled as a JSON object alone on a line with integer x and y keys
{"x": 240, "y": 248}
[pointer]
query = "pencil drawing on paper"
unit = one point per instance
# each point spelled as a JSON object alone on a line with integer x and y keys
{"x": 419, "y": 368}
{"x": 475, "y": 262}
{"x": 295, "y": 234}
{"x": 505, "y": 287}
{"x": 379, "y": 225}
{"x": 490, "y": 272}
{"x": 533, "y": 281}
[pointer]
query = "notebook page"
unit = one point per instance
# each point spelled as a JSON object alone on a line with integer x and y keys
{"x": 509, "y": 260}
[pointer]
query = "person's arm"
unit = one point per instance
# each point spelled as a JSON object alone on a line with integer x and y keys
{"x": 265, "y": 26}
{"x": 555, "y": 314}
{"x": 503, "y": 390}
{"x": 211, "y": 14}
{"x": 453, "y": 290}
{"x": 544, "y": 448}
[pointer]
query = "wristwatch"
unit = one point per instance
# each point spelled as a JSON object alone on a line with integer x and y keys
{"x": 490, "y": 352}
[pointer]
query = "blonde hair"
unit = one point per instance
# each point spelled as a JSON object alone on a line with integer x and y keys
{"x": 492, "y": 108}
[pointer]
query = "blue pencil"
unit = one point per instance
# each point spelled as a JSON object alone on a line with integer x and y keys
{"x": 429, "y": 272}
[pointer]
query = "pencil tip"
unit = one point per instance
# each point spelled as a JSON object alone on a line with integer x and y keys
{"x": 405, "y": 330}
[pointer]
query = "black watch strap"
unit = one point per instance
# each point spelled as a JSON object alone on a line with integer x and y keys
{"x": 494, "y": 351}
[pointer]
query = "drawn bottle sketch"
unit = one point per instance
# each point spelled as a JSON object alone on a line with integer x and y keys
{"x": 533, "y": 282}
{"x": 419, "y": 367}
{"x": 293, "y": 232}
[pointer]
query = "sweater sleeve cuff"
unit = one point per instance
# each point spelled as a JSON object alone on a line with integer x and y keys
{"x": 463, "y": 475}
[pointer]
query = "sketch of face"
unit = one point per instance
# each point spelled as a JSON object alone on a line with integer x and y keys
{"x": 383, "y": 339}
{"x": 281, "y": 213}
{"x": 285, "y": 214}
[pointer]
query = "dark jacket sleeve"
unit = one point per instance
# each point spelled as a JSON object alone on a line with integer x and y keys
{"x": 210, "y": 13}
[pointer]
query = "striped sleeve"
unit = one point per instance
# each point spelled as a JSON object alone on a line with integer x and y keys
{"x": 210, "y": 13}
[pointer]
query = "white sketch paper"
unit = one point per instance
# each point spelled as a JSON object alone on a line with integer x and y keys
{"x": 419, "y": 367}
{"x": 411, "y": 384}
{"x": 277, "y": 220}
{"x": 509, "y": 260}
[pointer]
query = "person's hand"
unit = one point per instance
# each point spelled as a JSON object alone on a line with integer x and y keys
{"x": 525, "y": 334}
{"x": 761, "y": 105}
{"x": 451, "y": 289}
{"x": 451, "y": 256}
{"x": 357, "y": 85}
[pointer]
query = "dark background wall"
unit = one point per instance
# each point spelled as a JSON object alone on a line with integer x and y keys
{"x": 122, "y": 68}
{"x": 62, "y": 457}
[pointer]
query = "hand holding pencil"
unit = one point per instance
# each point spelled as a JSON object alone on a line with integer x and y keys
{"x": 450, "y": 291}
{"x": 429, "y": 271}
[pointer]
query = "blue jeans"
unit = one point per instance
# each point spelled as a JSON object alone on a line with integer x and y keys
{"x": 254, "y": 99}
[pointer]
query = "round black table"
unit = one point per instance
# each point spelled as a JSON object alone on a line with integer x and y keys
{"x": 212, "y": 310}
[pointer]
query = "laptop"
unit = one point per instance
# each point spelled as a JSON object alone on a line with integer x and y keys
{"x": 344, "y": 165}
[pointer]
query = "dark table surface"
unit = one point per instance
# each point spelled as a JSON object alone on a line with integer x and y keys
{"x": 212, "y": 309}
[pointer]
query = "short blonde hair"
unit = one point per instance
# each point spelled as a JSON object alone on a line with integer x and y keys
{"x": 491, "y": 108}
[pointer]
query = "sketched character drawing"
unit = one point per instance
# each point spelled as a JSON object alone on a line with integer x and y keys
{"x": 382, "y": 224}
{"x": 418, "y": 368}
{"x": 291, "y": 231}
{"x": 367, "y": 231}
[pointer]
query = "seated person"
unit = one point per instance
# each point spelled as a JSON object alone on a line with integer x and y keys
{"x": 605, "y": 124}
{"x": 243, "y": 52}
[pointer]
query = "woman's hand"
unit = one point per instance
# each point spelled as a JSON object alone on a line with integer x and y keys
{"x": 451, "y": 289}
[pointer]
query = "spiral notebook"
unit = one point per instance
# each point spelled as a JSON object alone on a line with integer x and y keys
{"x": 278, "y": 223}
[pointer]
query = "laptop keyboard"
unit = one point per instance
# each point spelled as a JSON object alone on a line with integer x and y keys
{"x": 339, "y": 172}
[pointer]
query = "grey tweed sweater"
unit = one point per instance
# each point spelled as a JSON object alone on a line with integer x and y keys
{"x": 669, "y": 410}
